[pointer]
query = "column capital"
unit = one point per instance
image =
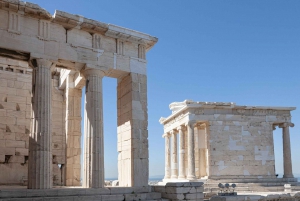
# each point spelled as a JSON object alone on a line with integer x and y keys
{"x": 41, "y": 62}
{"x": 165, "y": 135}
{"x": 181, "y": 127}
{"x": 86, "y": 72}
{"x": 286, "y": 124}
{"x": 173, "y": 131}
{"x": 191, "y": 123}
{"x": 201, "y": 126}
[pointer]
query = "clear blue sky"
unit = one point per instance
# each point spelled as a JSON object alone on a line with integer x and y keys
{"x": 246, "y": 52}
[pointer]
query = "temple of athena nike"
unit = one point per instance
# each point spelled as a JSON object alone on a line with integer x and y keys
{"x": 220, "y": 140}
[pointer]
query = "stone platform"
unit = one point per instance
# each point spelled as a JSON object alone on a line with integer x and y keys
{"x": 260, "y": 196}
{"x": 245, "y": 186}
{"x": 8, "y": 193}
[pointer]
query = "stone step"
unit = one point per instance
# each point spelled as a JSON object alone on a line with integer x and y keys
{"x": 81, "y": 194}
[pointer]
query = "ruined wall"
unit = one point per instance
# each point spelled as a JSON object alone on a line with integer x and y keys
{"x": 241, "y": 143}
{"x": 15, "y": 114}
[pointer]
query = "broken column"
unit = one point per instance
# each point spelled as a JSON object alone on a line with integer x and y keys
{"x": 94, "y": 150}
{"x": 40, "y": 155}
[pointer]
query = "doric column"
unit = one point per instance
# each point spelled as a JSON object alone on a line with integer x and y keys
{"x": 167, "y": 157}
{"x": 191, "y": 153}
{"x": 174, "y": 166}
{"x": 181, "y": 153}
{"x": 287, "y": 159}
{"x": 40, "y": 141}
{"x": 93, "y": 134}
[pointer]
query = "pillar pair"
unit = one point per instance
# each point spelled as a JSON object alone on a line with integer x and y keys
{"x": 40, "y": 142}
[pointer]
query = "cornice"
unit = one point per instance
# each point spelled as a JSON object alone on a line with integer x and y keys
{"x": 70, "y": 21}
{"x": 179, "y": 107}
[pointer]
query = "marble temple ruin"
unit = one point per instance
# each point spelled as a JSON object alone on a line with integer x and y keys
{"x": 219, "y": 140}
{"x": 45, "y": 61}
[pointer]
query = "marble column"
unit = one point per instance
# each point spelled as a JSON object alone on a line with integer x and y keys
{"x": 196, "y": 140}
{"x": 181, "y": 153}
{"x": 202, "y": 150}
{"x": 40, "y": 141}
{"x": 287, "y": 159}
{"x": 167, "y": 157}
{"x": 93, "y": 134}
{"x": 191, "y": 151}
{"x": 174, "y": 166}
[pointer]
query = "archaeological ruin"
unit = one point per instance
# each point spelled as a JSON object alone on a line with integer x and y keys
{"x": 45, "y": 61}
{"x": 225, "y": 141}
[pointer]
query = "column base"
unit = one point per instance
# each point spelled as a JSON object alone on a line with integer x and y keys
{"x": 174, "y": 177}
{"x": 191, "y": 177}
{"x": 181, "y": 177}
{"x": 288, "y": 176}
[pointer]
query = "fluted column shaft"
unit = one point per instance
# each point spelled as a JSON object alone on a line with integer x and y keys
{"x": 287, "y": 159}
{"x": 40, "y": 142}
{"x": 191, "y": 153}
{"x": 94, "y": 146}
{"x": 181, "y": 153}
{"x": 174, "y": 166}
{"x": 167, "y": 157}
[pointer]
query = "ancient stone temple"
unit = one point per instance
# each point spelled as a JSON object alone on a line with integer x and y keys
{"x": 45, "y": 61}
{"x": 225, "y": 141}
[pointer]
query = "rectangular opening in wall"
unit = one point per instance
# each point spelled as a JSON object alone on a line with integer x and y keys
{"x": 110, "y": 129}
{"x": 278, "y": 151}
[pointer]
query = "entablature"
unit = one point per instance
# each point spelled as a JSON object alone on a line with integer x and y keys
{"x": 212, "y": 110}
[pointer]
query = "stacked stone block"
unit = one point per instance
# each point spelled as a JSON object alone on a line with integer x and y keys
{"x": 245, "y": 143}
{"x": 15, "y": 111}
{"x": 133, "y": 161}
{"x": 181, "y": 191}
{"x": 15, "y": 123}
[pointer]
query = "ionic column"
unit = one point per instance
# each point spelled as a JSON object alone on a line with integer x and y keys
{"x": 196, "y": 139}
{"x": 174, "y": 167}
{"x": 40, "y": 141}
{"x": 191, "y": 153}
{"x": 181, "y": 153}
{"x": 287, "y": 159}
{"x": 202, "y": 150}
{"x": 94, "y": 152}
{"x": 167, "y": 157}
